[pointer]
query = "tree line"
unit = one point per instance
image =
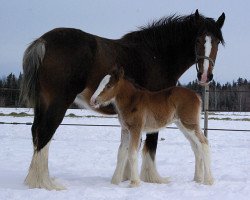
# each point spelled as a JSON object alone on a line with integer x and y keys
{"x": 233, "y": 96}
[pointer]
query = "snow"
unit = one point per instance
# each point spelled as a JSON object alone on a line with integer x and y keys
{"x": 83, "y": 159}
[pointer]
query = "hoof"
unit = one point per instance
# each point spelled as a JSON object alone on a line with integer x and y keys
{"x": 198, "y": 179}
{"x": 47, "y": 184}
{"x": 134, "y": 184}
{"x": 116, "y": 180}
{"x": 125, "y": 177}
{"x": 209, "y": 181}
{"x": 155, "y": 179}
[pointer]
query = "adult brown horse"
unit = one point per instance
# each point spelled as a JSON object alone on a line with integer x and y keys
{"x": 65, "y": 63}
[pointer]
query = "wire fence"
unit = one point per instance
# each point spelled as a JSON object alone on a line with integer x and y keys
{"x": 206, "y": 114}
{"x": 118, "y": 126}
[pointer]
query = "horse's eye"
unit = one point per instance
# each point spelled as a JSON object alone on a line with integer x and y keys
{"x": 199, "y": 42}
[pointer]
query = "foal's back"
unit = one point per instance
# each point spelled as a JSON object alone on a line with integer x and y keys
{"x": 170, "y": 105}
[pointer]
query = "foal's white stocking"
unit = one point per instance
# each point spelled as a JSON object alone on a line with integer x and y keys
{"x": 199, "y": 168}
{"x": 121, "y": 158}
{"x": 38, "y": 176}
{"x": 208, "y": 177}
{"x": 202, "y": 155}
{"x": 133, "y": 158}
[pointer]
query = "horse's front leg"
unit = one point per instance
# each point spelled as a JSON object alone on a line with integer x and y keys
{"x": 121, "y": 158}
{"x": 148, "y": 169}
{"x": 135, "y": 136}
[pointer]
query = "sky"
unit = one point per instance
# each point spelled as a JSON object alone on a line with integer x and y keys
{"x": 22, "y": 21}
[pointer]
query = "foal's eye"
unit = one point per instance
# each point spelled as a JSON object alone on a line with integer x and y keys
{"x": 108, "y": 86}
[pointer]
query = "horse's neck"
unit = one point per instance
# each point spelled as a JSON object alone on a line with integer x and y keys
{"x": 179, "y": 55}
{"x": 173, "y": 55}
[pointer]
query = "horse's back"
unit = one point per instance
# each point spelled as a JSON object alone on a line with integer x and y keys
{"x": 69, "y": 55}
{"x": 69, "y": 39}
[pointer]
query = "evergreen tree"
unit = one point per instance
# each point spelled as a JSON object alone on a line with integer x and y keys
{"x": 233, "y": 96}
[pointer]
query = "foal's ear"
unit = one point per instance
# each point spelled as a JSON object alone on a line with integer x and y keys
{"x": 118, "y": 72}
{"x": 221, "y": 20}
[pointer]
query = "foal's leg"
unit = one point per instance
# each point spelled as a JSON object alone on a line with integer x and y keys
{"x": 208, "y": 177}
{"x": 148, "y": 169}
{"x": 47, "y": 119}
{"x": 122, "y": 158}
{"x": 126, "y": 172}
{"x": 200, "y": 147}
{"x": 135, "y": 136}
{"x": 199, "y": 172}
{"x": 199, "y": 168}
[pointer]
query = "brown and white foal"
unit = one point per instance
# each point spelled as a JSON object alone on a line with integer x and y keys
{"x": 140, "y": 110}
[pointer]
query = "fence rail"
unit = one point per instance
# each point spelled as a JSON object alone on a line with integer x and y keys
{"x": 117, "y": 126}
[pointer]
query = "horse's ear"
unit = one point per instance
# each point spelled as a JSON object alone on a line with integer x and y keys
{"x": 197, "y": 15}
{"x": 221, "y": 20}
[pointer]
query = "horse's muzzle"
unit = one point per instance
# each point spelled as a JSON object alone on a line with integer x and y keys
{"x": 204, "y": 79}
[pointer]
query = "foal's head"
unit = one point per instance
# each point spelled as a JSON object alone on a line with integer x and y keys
{"x": 107, "y": 89}
{"x": 206, "y": 46}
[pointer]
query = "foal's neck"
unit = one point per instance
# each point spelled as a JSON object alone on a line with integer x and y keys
{"x": 126, "y": 92}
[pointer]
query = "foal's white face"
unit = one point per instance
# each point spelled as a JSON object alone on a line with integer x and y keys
{"x": 105, "y": 92}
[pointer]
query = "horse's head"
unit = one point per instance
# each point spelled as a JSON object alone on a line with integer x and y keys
{"x": 107, "y": 89}
{"x": 206, "y": 46}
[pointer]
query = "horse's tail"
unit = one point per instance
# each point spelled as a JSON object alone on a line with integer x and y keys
{"x": 32, "y": 60}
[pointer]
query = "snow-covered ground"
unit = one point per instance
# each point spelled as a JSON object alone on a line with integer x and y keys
{"x": 83, "y": 159}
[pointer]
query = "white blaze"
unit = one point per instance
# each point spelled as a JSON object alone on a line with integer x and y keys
{"x": 208, "y": 47}
{"x": 101, "y": 86}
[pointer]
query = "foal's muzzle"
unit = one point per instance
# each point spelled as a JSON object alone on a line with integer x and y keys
{"x": 94, "y": 102}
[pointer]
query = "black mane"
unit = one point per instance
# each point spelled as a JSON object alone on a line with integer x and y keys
{"x": 175, "y": 27}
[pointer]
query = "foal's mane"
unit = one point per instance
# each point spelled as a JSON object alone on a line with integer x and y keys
{"x": 170, "y": 29}
{"x": 132, "y": 81}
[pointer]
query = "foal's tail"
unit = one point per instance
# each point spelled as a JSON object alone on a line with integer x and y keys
{"x": 32, "y": 59}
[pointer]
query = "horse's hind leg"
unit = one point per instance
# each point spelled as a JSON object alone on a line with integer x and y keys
{"x": 47, "y": 118}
